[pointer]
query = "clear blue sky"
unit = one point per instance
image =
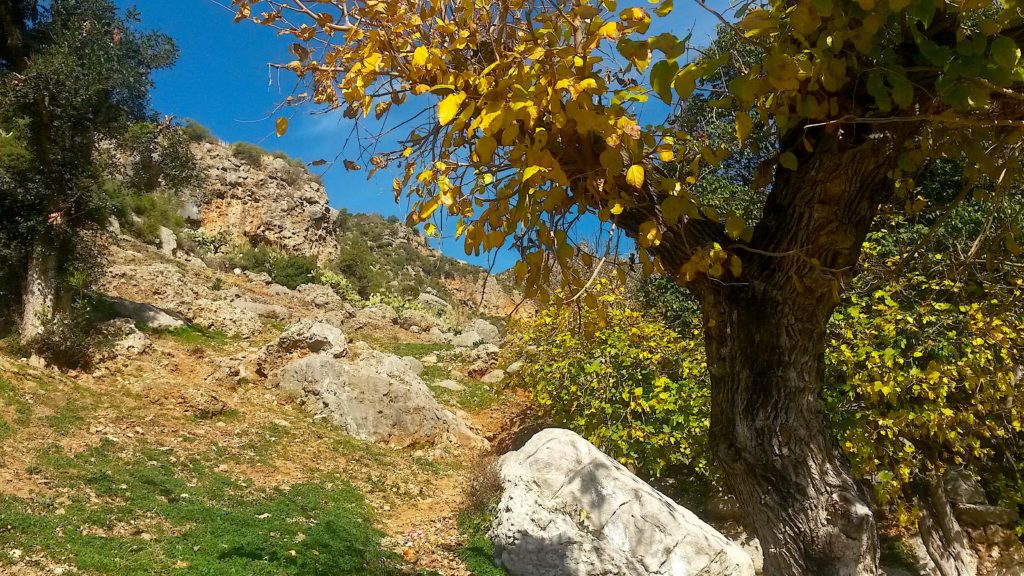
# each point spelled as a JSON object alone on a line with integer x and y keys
{"x": 222, "y": 80}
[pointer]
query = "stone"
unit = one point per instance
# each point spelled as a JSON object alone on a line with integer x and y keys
{"x": 466, "y": 339}
{"x": 982, "y": 515}
{"x": 494, "y": 377}
{"x": 168, "y": 241}
{"x": 113, "y": 226}
{"x": 962, "y": 487}
{"x": 488, "y": 332}
{"x": 413, "y": 318}
{"x": 434, "y": 303}
{"x": 315, "y": 337}
{"x": 227, "y": 317}
{"x": 450, "y": 385}
{"x": 415, "y": 329}
{"x": 515, "y": 367}
{"x": 569, "y": 510}
{"x": 376, "y": 315}
{"x": 374, "y": 398}
{"x": 415, "y": 366}
{"x": 259, "y": 277}
{"x": 146, "y": 314}
{"x": 320, "y": 296}
{"x": 273, "y": 311}
{"x": 127, "y": 340}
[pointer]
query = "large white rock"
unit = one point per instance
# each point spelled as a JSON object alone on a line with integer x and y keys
{"x": 168, "y": 241}
{"x": 375, "y": 398}
{"x": 146, "y": 314}
{"x": 567, "y": 509}
{"x": 488, "y": 332}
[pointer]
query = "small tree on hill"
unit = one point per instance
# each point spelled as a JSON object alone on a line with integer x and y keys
{"x": 537, "y": 126}
{"x": 73, "y": 74}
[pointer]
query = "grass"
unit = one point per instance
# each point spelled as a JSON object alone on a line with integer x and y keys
{"x": 10, "y": 396}
{"x": 478, "y": 551}
{"x": 192, "y": 335}
{"x": 476, "y": 397}
{"x": 416, "y": 349}
{"x": 149, "y": 513}
{"x": 435, "y": 372}
{"x": 67, "y": 418}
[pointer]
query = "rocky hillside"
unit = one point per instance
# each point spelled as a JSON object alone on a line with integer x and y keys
{"x": 263, "y": 199}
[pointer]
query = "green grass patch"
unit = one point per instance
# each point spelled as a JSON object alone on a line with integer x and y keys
{"x": 417, "y": 349}
{"x": 192, "y": 335}
{"x": 476, "y": 397}
{"x": 67, "y": 418}
{"x": 155, "y": 515}
{"x": 478, "y": 552}
{"x": 12, "y": 397}
{"x": 435, "y": 372}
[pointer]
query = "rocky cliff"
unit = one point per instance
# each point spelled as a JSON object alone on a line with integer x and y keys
{"x": 266, "y": 201}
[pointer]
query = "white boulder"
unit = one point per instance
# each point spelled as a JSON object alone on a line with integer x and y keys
{"x": 567, "y": 509}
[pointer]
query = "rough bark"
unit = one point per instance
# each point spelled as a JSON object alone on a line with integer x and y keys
{"x": 944, "y": 539}
{"x": 39, "y": 299}
{"x": 765, "y": 340}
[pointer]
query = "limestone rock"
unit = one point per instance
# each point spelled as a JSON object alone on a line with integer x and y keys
{"x": 467, "y": 339}
{"x": 488, "y": 332}
{"x": 569, "y": 510}
{"x": 376, "y": 315}
{"x": 226, "y": 316}
{"x": 413, "y": 318}
{"x": 963, "y": 488}
{"x": 375, "y": 398}
{"x": 127, "y": 340}
{"x": 302, "y": 338}
{"x": 168, "y": 241}
{"x": 433, "y": 303}
{"x": 273, "y": 204}
{"x": 982, "y": 515}
{"x": 273, "y": 311}
{"x": 146, "y": 314}
{"x": 450, "y": 385}
{"x": 494, "y": 377}
{"x": 320, "y": 296}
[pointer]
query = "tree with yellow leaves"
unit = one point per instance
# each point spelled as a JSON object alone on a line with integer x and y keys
{"x": 535, "y": 128}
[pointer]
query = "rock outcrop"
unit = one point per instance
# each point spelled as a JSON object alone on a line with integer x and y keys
{"x": 274, "y": 203}
{"x": 376, "y": 397}
{"x": 569, "y": 510}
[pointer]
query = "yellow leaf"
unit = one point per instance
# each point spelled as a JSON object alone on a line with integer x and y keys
{"x": 743, "y": 126}
{"x": 666, "y": 155}
{"x": 449, "y": 107}
{"x": 635, "y": 176}
{"x": 428, "y": 208}
{"x": 531, "y": 170}
{"x": 617, "y": 208}
{"x": 734, "y": 225}
{"x": 788, "y": 160}
{"x": 419, "y": 56}
{"x": 282, "y": 126}
{"x": 430, "y": 230}
{"x": 485, "y": 148}
{"x": 610, "y": 31}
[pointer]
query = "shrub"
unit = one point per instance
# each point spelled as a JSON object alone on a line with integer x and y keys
{"x": 65, "y": 341}
{"x": 196, "y": 132}
{"x": 144, "y": 213}
{"x": 620, "y": 378}
{"x": 248, "y": 153}
{"x": 284, "y": 269}
{"x": 341, "y": 285}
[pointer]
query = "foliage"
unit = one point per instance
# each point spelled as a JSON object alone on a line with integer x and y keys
{"x": 284, "y": 269}
{"x": 249, "y": 153}
{"x": 65, "y": 340}
{"x": 198, "y": 133}
{"x": 156, "y": 157}
{"x": 208, "y": 522}
{"x": 143, "y": 214}
{"x": 341, "y": 285}
{"x": 622, "y": 379}
{"x": 73, "y": 75}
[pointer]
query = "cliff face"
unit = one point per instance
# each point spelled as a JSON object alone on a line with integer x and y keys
{"x": 269, "y": 202}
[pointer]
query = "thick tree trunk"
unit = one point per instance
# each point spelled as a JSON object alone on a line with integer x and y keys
{"x": 765, "y": 351}
{"x": 39, "y": 299}
{"x": 944, "y": 539}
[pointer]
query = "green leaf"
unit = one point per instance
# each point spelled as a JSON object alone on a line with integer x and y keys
{"x": 1005, "y": 52}
{"x": 662, "y": 75}
{"x": 902, "y": 90}
{"x": 788, "y": 160}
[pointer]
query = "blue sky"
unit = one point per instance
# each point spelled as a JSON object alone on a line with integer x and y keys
{"x": 222, "y": 80}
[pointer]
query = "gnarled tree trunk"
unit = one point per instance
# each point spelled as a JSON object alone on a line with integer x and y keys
{"x": 765, "y": 348}
{"x": 39, "y": 299}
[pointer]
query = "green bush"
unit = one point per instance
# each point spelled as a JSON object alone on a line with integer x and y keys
{"x": 196, "y": 132}
{"x": 621, "y": 378}
{"x": 65, "y": 341}
{"x": 284, "y": 269}
{"x": 341, "y": 285}
{"x": 248, "y": 153}
{"x": 142, "y": 214}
